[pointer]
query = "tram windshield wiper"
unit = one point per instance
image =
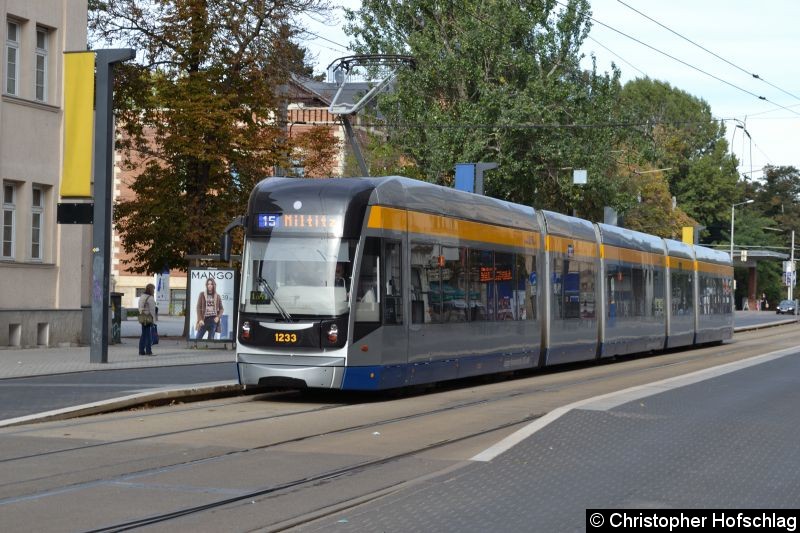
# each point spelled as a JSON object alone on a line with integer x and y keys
{"x": 271, "y": 293}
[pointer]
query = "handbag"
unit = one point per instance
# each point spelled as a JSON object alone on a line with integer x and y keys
{"x": 154, "y": 334}
{"x": 145, "y": 319}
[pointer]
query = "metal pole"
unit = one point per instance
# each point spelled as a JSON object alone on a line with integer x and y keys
{"x": 733, "y": 213}
{"x": 791, "y": 262}
{"x": 103, "y": 181}
{"x": 351, "y": 136}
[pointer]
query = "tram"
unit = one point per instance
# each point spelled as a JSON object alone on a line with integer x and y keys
{"x": 379, "y": 283}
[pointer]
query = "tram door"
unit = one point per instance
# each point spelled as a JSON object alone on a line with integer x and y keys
{"x": 395, "y": 337}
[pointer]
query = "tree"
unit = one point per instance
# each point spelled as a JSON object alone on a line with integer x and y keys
{"x": 778, "y": 196}
{"x": 777, "y": 199}
{"x": 316, "y": 150}
{"x": 677, "y": 133}
{"x": 750, "y": 233}
{"x": 653, "y": 212}
{"x": 197, "y": 114}
{"x": 497, "y": 81}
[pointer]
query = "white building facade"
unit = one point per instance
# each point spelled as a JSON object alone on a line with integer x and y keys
{"x": 45, "y": 267}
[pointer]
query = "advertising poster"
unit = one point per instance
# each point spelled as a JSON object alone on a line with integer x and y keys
{"x": 162, "y": 292}
{"x": 211, "y": 304}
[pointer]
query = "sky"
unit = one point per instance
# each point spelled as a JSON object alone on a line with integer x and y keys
{"x": 749, "y": 37}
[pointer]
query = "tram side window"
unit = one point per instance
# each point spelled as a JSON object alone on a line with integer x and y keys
{"x": 638, "y": 286}
{"x": 587, "y": 289}
{"x": 393, "y": 281}
{"x": 682, "y": 293}
{"x": 659, "y": 303}
{"x": 525, "y": 288}
{"x": 424, "y": 267}
{"x": 453, "y": 284}
{"x": 648, "y": 291}
{"x": 367, "y": 302}
{"x": 707, "y": 295}
{"x": 572, "y": 280}
{"x": 715, "y": 295}
{"x": 620, "y": 290}
{"x": 504, "y": 285}
{"x": 481, "y": 285}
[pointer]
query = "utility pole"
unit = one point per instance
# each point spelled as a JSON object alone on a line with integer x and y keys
{"x": 791, "y": 262}
{"x": 103, "y": 181}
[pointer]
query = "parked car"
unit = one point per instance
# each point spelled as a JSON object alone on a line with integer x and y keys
{"x": 786, "y": 307}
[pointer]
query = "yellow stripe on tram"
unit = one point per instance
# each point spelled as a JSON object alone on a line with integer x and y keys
{"x": 390, "y": 218}
{"x": 711, "y": 268}
{"x": 615, "y": 253}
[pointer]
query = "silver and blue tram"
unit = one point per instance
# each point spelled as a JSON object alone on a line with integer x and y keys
{"x": 379, "y": 283}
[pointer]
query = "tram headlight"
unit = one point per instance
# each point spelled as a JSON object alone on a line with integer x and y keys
{"x": 333, "y": 333}
{"x": 246, "y": 330}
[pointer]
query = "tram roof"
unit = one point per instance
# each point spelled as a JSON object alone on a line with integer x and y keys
{"x": 416, "y": 195}
{"x": 679, "y": 249}
{"x": 405, "y": 193}
{"x": 567, "y": 226}
{"x": 712, "y": 256}
{"x": 628, "y": 238}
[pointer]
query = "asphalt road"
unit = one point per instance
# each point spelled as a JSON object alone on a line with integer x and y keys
{"x": 26, "y": 396}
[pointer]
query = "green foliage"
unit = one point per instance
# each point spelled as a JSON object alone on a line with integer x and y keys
{"x": 496, "y": 81}
{"x": 654, "y": 213}
{"x": 197, "y": 115}
{"x": 778, "y": 196}
{"x": 678, "y": 134}
{"x": 750, "y": 233}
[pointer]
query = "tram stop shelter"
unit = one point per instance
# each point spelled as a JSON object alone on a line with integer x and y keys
{"x": 752, "y": 257}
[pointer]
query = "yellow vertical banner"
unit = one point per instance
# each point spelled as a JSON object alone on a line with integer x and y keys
{"x": 688, "y": 234}
{"x": 76, "y": 174}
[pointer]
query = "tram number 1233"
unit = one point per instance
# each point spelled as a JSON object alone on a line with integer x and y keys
{"x": 286, "y": 338}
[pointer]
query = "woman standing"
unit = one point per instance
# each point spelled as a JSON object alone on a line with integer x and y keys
{"x": 209, "y": 311}
{"x": 147, "y": 313}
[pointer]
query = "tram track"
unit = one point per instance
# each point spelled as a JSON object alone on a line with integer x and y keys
{"x": 301, "y": 438}
{"x": 522, "y": 392}
{"x": 326, "y": 476}
{"x": 317, "y": 514}
{"x": 691, "y": 356}
{"x": 514, "y": 393}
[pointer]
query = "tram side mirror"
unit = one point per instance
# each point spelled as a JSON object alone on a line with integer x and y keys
{"x": 225, "y": 247}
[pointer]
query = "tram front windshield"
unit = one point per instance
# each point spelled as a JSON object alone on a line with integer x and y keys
{"x": 297, "y": 277}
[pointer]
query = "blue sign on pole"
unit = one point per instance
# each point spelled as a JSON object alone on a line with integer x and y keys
{"x": 465, "y": 177}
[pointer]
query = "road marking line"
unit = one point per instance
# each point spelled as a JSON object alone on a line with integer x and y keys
{"x": 604, "y": 402}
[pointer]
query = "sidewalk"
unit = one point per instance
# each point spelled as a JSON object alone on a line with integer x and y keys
{"x": 171, "y": 350}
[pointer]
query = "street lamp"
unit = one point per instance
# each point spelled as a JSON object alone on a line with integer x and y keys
{"x": 733, "y": 213}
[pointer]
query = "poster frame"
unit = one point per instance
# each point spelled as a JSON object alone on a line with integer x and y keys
{"x": 195, "y": 285}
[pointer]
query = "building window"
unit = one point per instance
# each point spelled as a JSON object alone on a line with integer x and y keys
{"x": 37, "y": 221}
{"x": 9, "y": 214}
{"x": 41, "y": 64}
{"x": 12, "y": 57}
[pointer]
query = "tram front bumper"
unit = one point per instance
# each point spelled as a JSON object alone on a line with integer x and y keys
{"x": 316, "y": 372}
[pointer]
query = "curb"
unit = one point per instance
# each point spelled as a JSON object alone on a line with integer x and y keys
{"x": 742, "y": 329}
